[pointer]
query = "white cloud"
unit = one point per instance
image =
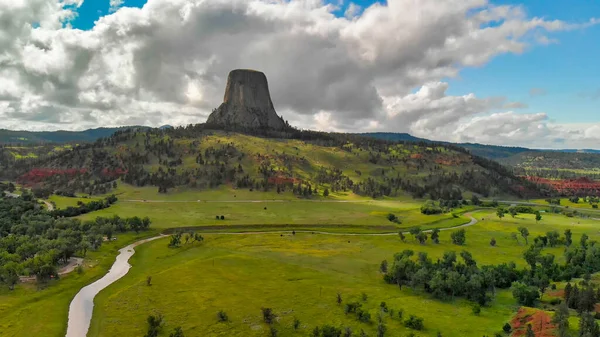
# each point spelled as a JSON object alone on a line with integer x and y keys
{"x": 115, "y": 4}
{"x": 167, "y": 62}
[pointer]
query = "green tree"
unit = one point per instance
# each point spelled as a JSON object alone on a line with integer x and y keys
{"x": 177, "y": 332}
{"x": 435, "y": 235}
{"x": 538, "y": 216}
{"x": 524, "y": 233}
{"x": 500, "y": 212}
{"x": 383, "y": 267}
{"x": 588, "y": 326}
{"x": 326, "y": 192}
{"x": 553, "y": 237}
{"x": 524, "y": 294}
{"x": 568, "y": 237}
{"x": 459, "y": 237}
{"x": 512, "y": 211}
{"x": 561, "y": 320}
{"x": 155, "y": 324}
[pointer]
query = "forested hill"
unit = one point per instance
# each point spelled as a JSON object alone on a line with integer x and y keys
{"x": 302, "y": 162}
{"x": 482, "y": 150}
{"x": 37, "y": 137}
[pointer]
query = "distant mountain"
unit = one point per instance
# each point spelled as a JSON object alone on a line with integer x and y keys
{"x": 487, "y": 151}
{"x": 37, "y": 137}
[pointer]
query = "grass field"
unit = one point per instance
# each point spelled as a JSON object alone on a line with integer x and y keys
{"x": 29, "y": 311}
{"x": 361, "y": 216}
{"x": 299, "y": 276}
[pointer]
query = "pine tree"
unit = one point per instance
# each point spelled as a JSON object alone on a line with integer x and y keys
{"x": 561, "y": 320}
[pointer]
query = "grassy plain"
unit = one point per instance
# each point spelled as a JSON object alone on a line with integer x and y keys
{"x": 299, "y": 277}
{"x": 29, "y": 311}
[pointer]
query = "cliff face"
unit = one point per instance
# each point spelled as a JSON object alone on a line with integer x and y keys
{"x": 247, "y": 102}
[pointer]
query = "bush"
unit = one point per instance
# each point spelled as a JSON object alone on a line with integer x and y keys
{"x": 222, "y": 217}
{"x": 506, "y": 328}
{"x": 364, "y": 295}
{"x": 493, "y": 242}
{"x": 268, "y": 315}
{"x": 414, "y": 322}
{"x": 393, "y": 218}
{"x": 296, "y": 323}
{"x": 363, "y": 316}
{"x": 459, "y": 237}
{"x": 430, "y": 208}
{"x": 476, "y": 309}
{"x": 222, "y": 316}
{"x": 383, "y": 307}
{"x": 273, "y": 332}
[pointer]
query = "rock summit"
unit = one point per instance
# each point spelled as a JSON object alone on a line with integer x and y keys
{"x": 247, "y": 102}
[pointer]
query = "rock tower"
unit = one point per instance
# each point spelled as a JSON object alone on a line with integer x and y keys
{"x": 247, "y": 102}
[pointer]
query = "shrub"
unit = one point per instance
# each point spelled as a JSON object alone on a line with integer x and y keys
{"x": 414, "y": 322}
{"x": 351, "y": 307}
{"x": 506, "y": 328}
{"x": 296, "y": 323}
{"x": 364, "y": 297}
{"x": 268, "y": 315}
{"x": 493, "y": 242}
{"x": 459, "y": 237}
{"x": 222, "y": 217}
{"x": 273, "y": 332}
{"x": 222, "y": 316}
{"x": 400, "y": 313}
{"x": 383, "y": 307}
{"x": 476, "y": 309}
{"x": 363, "y": 316}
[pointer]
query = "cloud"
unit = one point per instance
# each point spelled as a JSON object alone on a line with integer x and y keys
{"x": 352, "y": 11}
{"x": 115, "y": 4}
{"x": 167, "y": 63}
{"x": 537, "y": 92}
{"x": 593, "y": 95}
{"x": 515, "y": 105}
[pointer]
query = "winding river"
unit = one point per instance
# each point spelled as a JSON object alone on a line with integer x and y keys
{"x": 82, "y": 306}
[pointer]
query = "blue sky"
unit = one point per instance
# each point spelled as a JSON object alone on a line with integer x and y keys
{"x": 566, "y": 71}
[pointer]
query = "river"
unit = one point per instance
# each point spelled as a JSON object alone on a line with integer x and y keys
{"x": 82, "y": 306}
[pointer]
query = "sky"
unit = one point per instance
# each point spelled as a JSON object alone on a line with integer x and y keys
{"x": 505, "y": 72}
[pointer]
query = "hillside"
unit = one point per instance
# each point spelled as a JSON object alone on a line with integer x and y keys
{"x": 37, "y": 137}
{"x": 293, "y": 161}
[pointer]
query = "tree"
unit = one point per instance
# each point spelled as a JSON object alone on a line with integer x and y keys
{"x": 383, "y": 267}
{"x": 178, "y": 332}
{"x": 402, "y": 236}
{"x": 568, "y": 237}
{"x": 524, "y": 294}
{"x": 326, "y": 192}
{"x": 493, "y": 242}
{"x": 475, "y": 200}
{"x": 553, "y": 237}
{"x": 296, "y": 324}
{"x": 149, "y": 280}
{"x": 500, "y": 212}
{"x": 529, "y": 332}
{"x": 506, "y": 328}
{"x": 268, "y": 315}
{"x": 561, "y": 320}
{"x": 381, "y": 329}
{"x": 222, "y": 316}
{"x": 524, "y": 233}
{"x": 538, "y": 216}
{"x": 459, "y": 237}
{"x": 588, "y": 326}
{"x": 339, "y": 299}
{"x": 512, "y": 211}
{"x": 435, "y": 235}
{"x": 154, "y": 325}
{"x": 422, "y": 237}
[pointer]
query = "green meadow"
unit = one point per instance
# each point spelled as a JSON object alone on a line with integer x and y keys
{"x": 299, "y": 276}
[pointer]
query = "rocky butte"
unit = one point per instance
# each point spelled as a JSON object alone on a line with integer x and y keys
{"x": 247, "y": 103}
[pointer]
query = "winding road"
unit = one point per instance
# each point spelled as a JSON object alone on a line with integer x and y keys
{"x": 82, "y": 306}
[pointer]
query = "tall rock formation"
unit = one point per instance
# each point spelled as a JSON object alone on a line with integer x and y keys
{"x": 247, "y": 102}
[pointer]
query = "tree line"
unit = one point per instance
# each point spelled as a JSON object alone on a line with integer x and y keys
{"x": 33, "y": 242}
